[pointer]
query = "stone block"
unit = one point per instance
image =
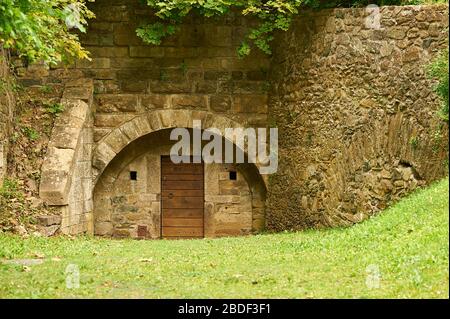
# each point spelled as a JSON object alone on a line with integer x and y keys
{"x": 100, "y": 74}
{"x": 81, "y": 93}
{"x": 73, "y": 108}
{"x": 111, "y": 120}
{"x": 103, "y": 228}
{"x": 250, "y": 103}
{"x": 220, "y": 103}
{"x": 223, "y": 199}
{"x": 95, "y": 63}
{"x": 397, "y": 33}
{"x": 125, "y": 34}
{"x": 54, "y": 187}
{"x": 130, "y": 86}
{"x": 138, "y": 75}
{"x": 65, "y": 137}
{"x": 146, "y": 52}
{"x": 413, "y": 53}
{"x": 117, "y": 140}
{"x": 170, "y": 87}
{"x": 206, "y": 87}
{"x": 217, "y": 75}
{"x": 49, "y": 220}
{"x": 48, "y": 231}
{"x": 113, "y": 13}
{"x": 174, "y": 118}
{"x": 108, "y": 52}
{"x": 106, "y": 86}
{"x": 99, "y": 133}
{"x": 189, "y": 101}
{"x": 257, "y": 75}
{"x": 155, "y": 121}
{"x": 219, "y": 36}
{"x": 134, "y": 63}
{"x": 108, "y": 103}
{"x": 130, "y": 130}
{"x": 103, "y": 154}
{"x": 100, "y": 27}
{"x": 180, "y": 52}
{"x": 141, "y": 125}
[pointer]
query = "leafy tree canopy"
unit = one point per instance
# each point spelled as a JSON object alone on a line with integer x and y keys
{"x": 40, "y": 29}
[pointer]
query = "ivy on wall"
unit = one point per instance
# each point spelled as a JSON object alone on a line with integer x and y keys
{"x": 40, "y": 30}
{"x": 272, "y": 15}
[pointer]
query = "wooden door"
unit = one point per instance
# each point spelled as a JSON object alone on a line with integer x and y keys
{"x": 182, "y": 200}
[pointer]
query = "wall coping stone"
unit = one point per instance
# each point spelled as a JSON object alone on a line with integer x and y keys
{"x": 58, "y": 165}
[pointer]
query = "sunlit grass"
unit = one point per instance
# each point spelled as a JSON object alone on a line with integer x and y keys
{"x": 402, "y": 253}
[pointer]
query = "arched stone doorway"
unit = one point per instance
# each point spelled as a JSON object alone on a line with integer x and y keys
{"x": 129, "y": 197}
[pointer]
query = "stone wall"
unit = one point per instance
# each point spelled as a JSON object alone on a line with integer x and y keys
{"x": 7, "y": 107}
{"x": 195, "y": 69}
{"x": 356, "y": 113}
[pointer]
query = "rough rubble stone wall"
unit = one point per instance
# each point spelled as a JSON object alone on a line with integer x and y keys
{"x": 7, "y": 106}
{"x": 356, "y": 114}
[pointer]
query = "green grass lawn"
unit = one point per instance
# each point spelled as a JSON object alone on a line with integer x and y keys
{"x": 406, "y": 247}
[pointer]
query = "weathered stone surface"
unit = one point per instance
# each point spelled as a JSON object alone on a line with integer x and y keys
{"x": 111, "y": 120}
{"x": 220, "y": 103}
{"x": 170, "y": 87}
{"x": 103, "y": 228}
{"x": 108, "y": 52}
{"x": 250, "y": 104}
{"x": 66, "y": 137}
{"x": 49, "y": 230}
{"x": 146, "y": 52}
{"x": 96, "y": 63}
{"x": 54, "y": 187}
{"x": 117, "y": 140}
{"x": 348, "y": 105}
{"x": 412, "y": 54}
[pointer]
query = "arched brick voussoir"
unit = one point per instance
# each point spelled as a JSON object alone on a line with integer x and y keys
{"x": 120, "y": 137}
{"x": 136, "y": 128}
{"x": 103, "y": 155}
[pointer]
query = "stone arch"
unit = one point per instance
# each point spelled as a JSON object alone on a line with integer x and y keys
{"x": 114, "y": 142}
{"x": 131, "y": 142}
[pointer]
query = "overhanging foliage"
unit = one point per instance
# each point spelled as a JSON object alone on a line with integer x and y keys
{"x": 40, "y": 30}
